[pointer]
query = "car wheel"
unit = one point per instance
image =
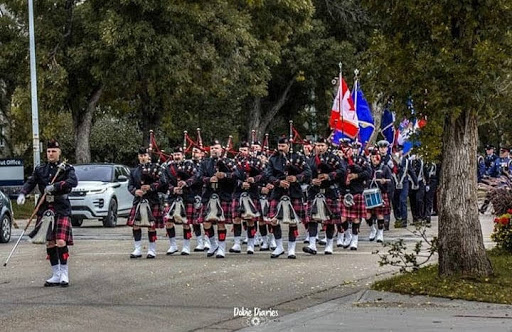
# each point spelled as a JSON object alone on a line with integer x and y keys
{"x": 77, "y": 222}
{"x": 111, "y": 219}
{"x": 5, "y": 229}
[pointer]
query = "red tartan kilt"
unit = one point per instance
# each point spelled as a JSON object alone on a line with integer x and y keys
{"x": 194, "y": 216}
{"x": 236, "y": 204}
{"x": 384, "y": 209}
{"x": 334, "y": 207}
{"x": 356, "y": 211}
{"x": 297, "y": 204}
{"x": 61, "y": 231}
{"x": 226, "y": 208}
{"x": 157, "y": 214}
{"x": 307, "y": 207}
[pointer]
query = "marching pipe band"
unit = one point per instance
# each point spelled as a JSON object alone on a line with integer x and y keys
{"x": 331, "y": 186}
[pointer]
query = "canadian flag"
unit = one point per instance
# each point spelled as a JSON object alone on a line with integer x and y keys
{"x": 343, "y": 113}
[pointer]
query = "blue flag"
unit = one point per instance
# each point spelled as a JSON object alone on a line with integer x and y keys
{"x": 364, "y": 115}
{"x": 387, "y": 127}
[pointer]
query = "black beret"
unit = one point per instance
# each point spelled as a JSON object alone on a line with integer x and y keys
{"x": 178, "y": 149}
{"x": 53, "y": 144}
{"x": 283, "y": 140}
{"x": 143, "y": 150}
{"x": 244, "y": 144}
{"x": 321, "y": 140}
{"x": 216, "y": 142}
{"x": 489, "y": 146}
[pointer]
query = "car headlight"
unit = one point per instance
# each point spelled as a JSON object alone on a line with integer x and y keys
{"x": 98, "y": 191}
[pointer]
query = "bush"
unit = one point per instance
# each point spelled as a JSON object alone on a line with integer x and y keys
{"x": 501, "y": 199}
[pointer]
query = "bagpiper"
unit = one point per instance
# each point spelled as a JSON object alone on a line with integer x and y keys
{"x": 56, "y": 180}
{"x": 323, "y": 195}
{"x": 353, "y": 208}
{"x": 183, "y": 207}
{"x": 146, "y": 181}
{"x": 248, "y": 174}
{"x": 216, "y": 173}
{"x": 286, "y": 171}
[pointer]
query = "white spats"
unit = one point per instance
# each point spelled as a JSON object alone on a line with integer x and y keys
{"x": 137, "y": 251}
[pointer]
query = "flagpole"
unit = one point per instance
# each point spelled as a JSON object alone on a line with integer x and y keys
{"x": 340, "y": 106}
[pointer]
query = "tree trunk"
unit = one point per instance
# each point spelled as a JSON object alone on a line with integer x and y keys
{"x": 461, "y": 248}
{"x": 259, "y": 121}
{"x": 377, "y": 111}
{"x": 83, "y": 124}
{"x": 255, "y": 119}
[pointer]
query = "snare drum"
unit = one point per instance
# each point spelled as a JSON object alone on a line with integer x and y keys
{"x": 373, "y": 198}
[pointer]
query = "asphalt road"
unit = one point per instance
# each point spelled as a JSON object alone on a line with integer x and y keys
{"x": 109, "y": 291}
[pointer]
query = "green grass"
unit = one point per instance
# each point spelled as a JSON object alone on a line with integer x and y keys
{"x": 425, "y": 281}
{"x": 23, "y": 211}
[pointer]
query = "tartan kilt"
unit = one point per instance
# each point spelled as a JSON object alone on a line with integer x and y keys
{"x": 226, "y": 208}
{"x": 297, "y": 204}
{"x": 334, "y": 208}
{"x": 236, "y": 205}
{"x": 384, "y": 209}
{"x": 156, "y": 212}
{"x": 61, "y": 231}
{"x": 307, "y": 207}
{"x": 194, "y": 216}
{"x": 356, "y": 211}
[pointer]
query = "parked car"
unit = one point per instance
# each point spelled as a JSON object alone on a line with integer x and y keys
{"x": 102, "y": 193}
{"x": 6, "y": 216}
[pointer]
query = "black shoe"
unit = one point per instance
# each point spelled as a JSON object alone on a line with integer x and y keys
{"x": 250, "y": 252}
{"x": 322, "y": 242}
{"x": 210, "y": 254}
{"x": 135, "y": 256}
{"x": 308, "y": 250}
{"x": 264, "y": 249}
{"x": 235, "y": 251}
{"x": 199, "y": 250}
{"x": 327, "y": 253}
{"x": 183, "y": 253}
{"x": 292, "y": 257}
{"x": 353, "y": 248}
{"x": 171, "y": 253}
{"x": 276, "y": 255}
{"x": 219, "y": 256}
{"x": 51, "y": 284}
{"x": 306, "y": 241}
{"x": 273, "y": 248}
{"x": 150, "y": 256}
{"x": 64, "y": 284}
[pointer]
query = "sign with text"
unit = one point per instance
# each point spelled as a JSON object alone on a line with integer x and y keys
{"x": 11, "y": 172}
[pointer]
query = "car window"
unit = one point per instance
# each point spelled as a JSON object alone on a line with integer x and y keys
{"x": 118, "y": 172}
{"x": 101, "y": 173}
{"x": 126, "y": 171}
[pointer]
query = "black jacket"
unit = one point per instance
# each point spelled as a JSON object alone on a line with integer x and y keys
{"x": 65, "y": 181}
{"x": 382, "y": 171}
{"x": 157, "y": 184}
{"x": 329, "y": 164}
{"x": 225, "y": 186}
{"x": 245, "y": 168}
{"x": 279, "y": 167}
{"x": 183, "y": 171}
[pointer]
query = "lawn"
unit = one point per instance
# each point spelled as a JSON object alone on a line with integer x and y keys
{"x": 425, "y": 281}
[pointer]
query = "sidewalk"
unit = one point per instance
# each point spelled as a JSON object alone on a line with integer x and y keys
{"x": 369, "y": 310}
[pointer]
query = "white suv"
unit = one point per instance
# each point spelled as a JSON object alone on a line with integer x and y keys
{"x": 102, "y": 193}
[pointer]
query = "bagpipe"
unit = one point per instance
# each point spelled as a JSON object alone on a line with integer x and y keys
{"x": 294, "y": 166}
{"x": 325, "y": 163}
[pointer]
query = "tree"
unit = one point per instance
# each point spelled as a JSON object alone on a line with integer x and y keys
{"x": 449, "y": 56}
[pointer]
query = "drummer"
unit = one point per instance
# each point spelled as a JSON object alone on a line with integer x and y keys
{"x": 381, "y": 176}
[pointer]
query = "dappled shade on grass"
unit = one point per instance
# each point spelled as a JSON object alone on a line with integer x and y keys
{"x": 425, "y": 281}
